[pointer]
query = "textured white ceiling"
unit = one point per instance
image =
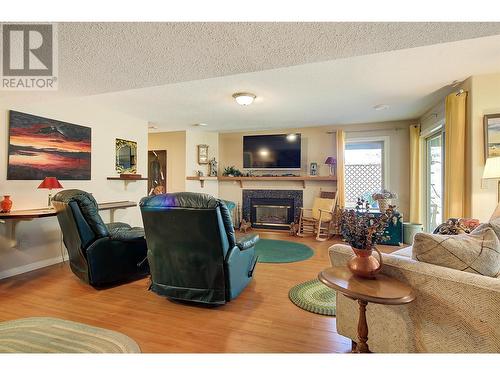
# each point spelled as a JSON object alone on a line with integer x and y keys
{"x": 105, "y": 57}
{"x": 304, "y": 73}
{"x": 341, "y": 91}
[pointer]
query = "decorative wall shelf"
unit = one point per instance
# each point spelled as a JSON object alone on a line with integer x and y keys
{"x": 302, "y": 179}
{"x": 202, "y": 179}
{"x": 127, "y": 179}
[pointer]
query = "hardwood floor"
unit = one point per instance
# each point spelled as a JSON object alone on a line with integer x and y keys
{"x": 261, "y": 319}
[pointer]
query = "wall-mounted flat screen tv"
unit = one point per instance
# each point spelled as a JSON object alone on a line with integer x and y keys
{"x": 276, "y": 151}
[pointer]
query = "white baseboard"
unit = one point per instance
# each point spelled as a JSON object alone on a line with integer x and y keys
{"x": 31, "y": 267}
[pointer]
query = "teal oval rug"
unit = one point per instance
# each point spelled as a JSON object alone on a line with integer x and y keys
{"x": 276, "y": 251}
{"x": 314, "y": 296}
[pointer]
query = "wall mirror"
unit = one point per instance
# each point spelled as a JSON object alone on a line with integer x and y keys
{"x": 126, "y": 156}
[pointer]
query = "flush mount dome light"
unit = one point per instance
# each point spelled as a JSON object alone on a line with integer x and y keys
{"x": 380, "y": 107}
{"x": 244, "y": 98}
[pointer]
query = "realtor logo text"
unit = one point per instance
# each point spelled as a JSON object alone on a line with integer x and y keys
{"x": 29, "y": 57}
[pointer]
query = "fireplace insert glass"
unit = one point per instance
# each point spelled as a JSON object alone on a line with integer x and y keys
{"x": 271, "y": 213}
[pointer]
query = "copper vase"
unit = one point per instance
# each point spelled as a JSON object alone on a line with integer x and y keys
{"x": 364, "y": 264}
{"x": 6, "y": 204}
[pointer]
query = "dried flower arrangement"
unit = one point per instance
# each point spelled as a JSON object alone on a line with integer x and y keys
{"x": 361, "y": 228}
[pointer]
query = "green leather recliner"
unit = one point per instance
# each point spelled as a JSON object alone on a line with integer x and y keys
{"x": 99, "y": 253}
{"x": 192, "y": 250}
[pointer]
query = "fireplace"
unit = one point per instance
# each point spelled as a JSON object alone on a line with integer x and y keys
{"x": 271, "y": 209}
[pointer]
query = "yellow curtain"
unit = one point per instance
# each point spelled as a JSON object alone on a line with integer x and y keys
{"x": 340, "y": 168}
{"x": 454, "y": 155}
{"x": 415, "y": 184}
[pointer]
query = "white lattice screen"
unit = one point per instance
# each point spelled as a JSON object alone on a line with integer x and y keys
{"x": 361, "y": 180}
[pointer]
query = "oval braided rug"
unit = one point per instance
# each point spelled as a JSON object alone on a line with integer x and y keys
{"x": 314, "y": 296}
{"x": 51, "y": 335}
{"x": 279, "y": 251}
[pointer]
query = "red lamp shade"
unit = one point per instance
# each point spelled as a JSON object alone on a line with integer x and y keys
{"x": 50, "y": 183}
{"x": 330, "y": 160}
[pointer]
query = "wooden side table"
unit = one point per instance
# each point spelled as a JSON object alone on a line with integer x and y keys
{"x": 383, "y": 290}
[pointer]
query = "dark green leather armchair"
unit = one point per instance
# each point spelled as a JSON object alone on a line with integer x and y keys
{"x": 192, "y": 249}
{"x": 99, "y": 253}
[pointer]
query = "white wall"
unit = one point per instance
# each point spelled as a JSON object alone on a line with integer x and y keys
{"x": 193, "y": 139}
{"x": 484, "y": 99}
{"x": 39, "y": 240}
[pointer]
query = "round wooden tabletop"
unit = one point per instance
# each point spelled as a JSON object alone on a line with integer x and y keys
{"x": 383, "y": 290}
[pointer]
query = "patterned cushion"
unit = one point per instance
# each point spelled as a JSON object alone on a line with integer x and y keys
{"x": 478, "y": 252}
{"x": 493, "y": 224}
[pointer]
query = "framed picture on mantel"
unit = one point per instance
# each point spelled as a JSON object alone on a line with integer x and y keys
{"x": 202, "y": 154}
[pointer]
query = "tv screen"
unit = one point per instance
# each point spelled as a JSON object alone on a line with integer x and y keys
{"x": 277, "y": 151}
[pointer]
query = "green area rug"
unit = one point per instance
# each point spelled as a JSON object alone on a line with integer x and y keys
{"x": 314, "y": 296}
{"x": 276, "y": 251}
{"x": 51, "y": 335}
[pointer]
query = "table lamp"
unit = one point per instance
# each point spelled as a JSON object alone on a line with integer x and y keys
{"x": 492, "y": 172}
{"x": 50, "y": 183}
{"x": 331, "y": 161}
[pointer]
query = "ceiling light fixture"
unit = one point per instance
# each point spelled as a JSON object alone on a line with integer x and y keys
{"x": 244, "y": 98}
{"x": 200, "y": 124}
{"x": 380, "y": 107}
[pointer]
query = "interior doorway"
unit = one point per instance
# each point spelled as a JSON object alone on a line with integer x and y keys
{"x": 157, "y": 172}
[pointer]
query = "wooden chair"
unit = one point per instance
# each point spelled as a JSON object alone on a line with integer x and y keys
{"x": 318, "y": 219}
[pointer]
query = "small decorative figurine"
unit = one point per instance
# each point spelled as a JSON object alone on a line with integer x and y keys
{"x": 294, "y": 228}
{"x": 213, "y": 168}
{"x": 313, "y": 169}
{"x": 244, "y": 226}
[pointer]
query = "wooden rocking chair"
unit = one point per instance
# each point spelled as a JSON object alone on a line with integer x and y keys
{"x": 318, "y": 219}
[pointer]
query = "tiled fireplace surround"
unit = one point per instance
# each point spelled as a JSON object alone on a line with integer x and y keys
{"x": 280, "y": 198}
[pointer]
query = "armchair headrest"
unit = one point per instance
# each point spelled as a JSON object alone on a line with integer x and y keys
{"x": 88, "y": 207}
{"x": 181, "y": 200}
{"x": 192, "y": 200}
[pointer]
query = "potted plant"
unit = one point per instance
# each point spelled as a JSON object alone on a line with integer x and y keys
{"x": 384, "y": 199}
{"x": 232, "y": 171}
{"x": 363, "y": 230}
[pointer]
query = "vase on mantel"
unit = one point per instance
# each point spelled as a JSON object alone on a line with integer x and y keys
{"x": 5, "y": 204}
{"x": 364, "y": 264}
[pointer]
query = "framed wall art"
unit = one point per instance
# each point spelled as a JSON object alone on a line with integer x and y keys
{"x": 202, "y": 154}
{"x": 41, "y": 147}
{"x": 491, "y": 136}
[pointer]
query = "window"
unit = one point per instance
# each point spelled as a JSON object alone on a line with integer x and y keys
{"x": 434, "y": 151}
{"x": 364, "y": 170}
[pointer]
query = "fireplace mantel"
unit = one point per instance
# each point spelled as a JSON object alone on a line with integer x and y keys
{"x": 302, "y": 179}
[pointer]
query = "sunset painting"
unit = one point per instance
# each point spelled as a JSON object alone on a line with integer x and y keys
{"x": 41, "y": 147}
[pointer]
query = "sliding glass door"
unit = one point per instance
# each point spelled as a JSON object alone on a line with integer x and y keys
{"x": 434, "y": 180}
